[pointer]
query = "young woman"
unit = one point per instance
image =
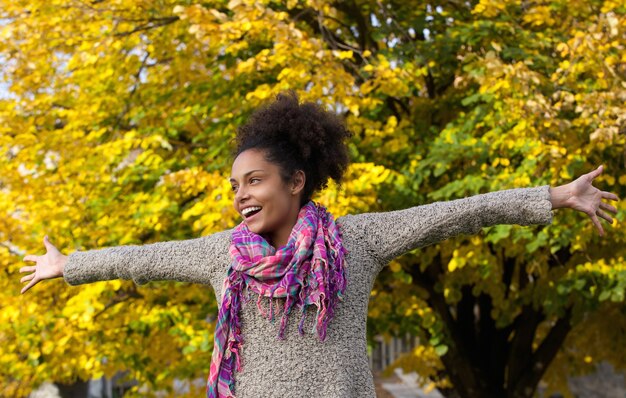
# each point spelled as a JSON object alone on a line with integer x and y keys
{"x": 289, "y": 254}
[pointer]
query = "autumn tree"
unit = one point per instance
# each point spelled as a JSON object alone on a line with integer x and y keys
{"x": 117, "y": 121}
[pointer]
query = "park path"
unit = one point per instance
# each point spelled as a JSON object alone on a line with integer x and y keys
{"x": 405, "y": 386}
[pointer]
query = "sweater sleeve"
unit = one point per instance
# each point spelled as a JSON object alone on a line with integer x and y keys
{"x": 192, "y": 260}
{"x": 390, "y": 234}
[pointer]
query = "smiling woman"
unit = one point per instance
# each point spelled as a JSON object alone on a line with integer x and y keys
{"x": 290, "y": 252}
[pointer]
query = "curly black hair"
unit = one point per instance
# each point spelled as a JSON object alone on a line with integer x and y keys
{"x": 298, "y": 136}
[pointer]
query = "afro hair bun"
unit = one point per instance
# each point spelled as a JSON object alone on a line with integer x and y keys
{"x": 298, "y": 136}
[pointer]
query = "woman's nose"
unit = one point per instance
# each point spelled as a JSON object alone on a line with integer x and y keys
{"x": 241, "y": 194}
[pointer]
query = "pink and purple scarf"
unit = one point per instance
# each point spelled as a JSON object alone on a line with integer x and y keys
{"x": 308, "y": 270}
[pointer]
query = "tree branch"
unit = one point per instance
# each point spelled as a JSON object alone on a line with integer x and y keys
{"x": 150, "y": 24}
{"x": 121, "y": 296}
{"x": 352, "y": 10}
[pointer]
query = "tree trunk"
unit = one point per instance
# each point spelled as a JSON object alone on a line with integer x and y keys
{"x": 484, "y": 361}
{"x": 74, "y": 390}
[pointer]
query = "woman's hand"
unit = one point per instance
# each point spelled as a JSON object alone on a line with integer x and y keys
{"x": 49, "y": 266}
{"x": 581, "y": 195}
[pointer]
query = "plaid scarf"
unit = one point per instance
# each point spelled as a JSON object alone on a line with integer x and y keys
{"x": 308, "y": 270}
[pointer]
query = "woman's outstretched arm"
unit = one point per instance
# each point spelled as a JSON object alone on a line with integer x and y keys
{"x": 391, "y": 234}
{"x": 193, "y": 260}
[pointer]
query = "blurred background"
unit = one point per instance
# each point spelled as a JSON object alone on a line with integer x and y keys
{"x": 116, "y": 125}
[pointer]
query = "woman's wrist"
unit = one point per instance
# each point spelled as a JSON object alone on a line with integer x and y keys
{"x": 61, "y": 267}
{"x": 559, "y": 196}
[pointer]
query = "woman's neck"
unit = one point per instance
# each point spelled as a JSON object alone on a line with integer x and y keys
{"x": 280, "y": 237}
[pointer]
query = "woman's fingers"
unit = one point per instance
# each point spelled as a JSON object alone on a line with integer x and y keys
{"x": 605, "y": 216}
{"x": 608, "y": 207}
{"x": 29, "y": 268}
{"x": 595, "y": 173}
{"x": 45, "y": 268}
{"x": 609, "y": 195}
{"x": 596, "y": 222}
{"x": 30, "y": 257}
{"x": 591, "y": 204}
{"x": 31, "y": 284}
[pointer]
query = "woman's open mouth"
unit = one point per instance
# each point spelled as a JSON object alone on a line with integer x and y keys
{"x": 249, "y": 212}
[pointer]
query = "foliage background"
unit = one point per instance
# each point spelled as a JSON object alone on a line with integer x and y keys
{"x": 117, "y": 124}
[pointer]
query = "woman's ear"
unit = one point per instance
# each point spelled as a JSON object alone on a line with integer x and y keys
{"x": 298, "y": 180}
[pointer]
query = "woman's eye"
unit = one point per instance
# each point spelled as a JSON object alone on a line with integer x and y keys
{"x": 233, "y": 188}
{"x": 252, "y": 180}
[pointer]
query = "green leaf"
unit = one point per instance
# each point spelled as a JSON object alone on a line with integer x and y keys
{"x": 441, "y": 350}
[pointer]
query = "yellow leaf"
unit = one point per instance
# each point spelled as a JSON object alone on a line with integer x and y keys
{"x": 343, "y": 54}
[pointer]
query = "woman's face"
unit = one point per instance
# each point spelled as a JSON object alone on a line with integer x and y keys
{"x": 267, "y": 204}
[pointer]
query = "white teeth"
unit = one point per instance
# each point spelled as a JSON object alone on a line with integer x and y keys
{"x": 249, "y": 210}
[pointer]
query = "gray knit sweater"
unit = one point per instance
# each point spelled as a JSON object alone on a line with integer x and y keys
{"x": 302, "y": 366}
